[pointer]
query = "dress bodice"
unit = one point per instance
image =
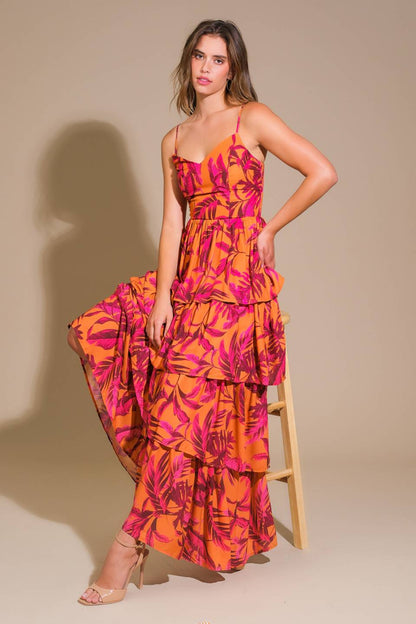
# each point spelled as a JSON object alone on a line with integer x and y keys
{"x": 219, "y": 257}
{"x": 227, "y": 183}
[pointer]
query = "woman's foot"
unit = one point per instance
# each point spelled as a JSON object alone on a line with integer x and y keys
{"x": 116, "y": 567}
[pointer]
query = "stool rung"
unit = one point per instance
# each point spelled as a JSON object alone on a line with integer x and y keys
{"x": 281, "y": 474}
{"x": 290, "y": 475}
{"x": 274, "y": 408}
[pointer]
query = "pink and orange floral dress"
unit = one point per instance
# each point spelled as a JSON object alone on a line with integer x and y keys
{"x": 189, "y": 421}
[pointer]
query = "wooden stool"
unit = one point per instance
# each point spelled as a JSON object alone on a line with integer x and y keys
{"x": 291, "y": 474}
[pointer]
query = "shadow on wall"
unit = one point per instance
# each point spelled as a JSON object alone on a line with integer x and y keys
{"x": 59, "y": 463}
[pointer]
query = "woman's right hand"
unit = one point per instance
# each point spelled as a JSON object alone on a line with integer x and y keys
{"x": 265, "y": 247}
{"x": 161, "y": 314}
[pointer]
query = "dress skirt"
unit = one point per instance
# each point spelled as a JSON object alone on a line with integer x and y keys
{"x": 189, "y": 421}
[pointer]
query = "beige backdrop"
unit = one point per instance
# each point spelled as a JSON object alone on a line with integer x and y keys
{"x": 85, "y": 103}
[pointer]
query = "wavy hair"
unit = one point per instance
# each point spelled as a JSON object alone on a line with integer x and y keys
{"x": 239, "y": 89}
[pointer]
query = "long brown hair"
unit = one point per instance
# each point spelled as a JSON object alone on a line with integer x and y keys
{"x": 239, "y": 88}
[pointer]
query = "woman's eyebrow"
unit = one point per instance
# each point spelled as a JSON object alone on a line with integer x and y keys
{"x": 216, "y": 55}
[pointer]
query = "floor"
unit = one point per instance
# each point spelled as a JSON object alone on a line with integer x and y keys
{"x": 358, "y": 567}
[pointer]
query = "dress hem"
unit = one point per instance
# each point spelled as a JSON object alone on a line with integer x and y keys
{"x": 255, "y": 549}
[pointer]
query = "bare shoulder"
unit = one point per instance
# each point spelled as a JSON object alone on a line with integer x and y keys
{"x": 256, "y": 108}
{"x": 274, "y": 135}
{"x": 258, "y": 114}
{"x": 266, "y": 127}
{"x": 168, "y": 142}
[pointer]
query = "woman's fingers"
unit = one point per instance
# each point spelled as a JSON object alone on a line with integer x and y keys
{"x": 265, "y": 248}
{"x": 267, "y": 256}
{"x": 158, "y": 323}
{"x": 155, "y": 331}
{"x": 158, "y": 335}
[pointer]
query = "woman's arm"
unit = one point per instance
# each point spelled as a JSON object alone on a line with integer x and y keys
{"x": 269, "y": 131}
{"x": 174, "y": 212}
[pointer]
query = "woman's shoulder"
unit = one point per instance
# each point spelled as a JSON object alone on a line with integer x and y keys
{"x": 258, "y": 118}
{"x": 167, "y": 137}
{"x": 168, "y": 140}
{"x": 172, "y": 132}
{"x": 257, "y": 110}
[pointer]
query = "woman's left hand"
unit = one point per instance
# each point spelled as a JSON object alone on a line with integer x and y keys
{"x": 265, "y": 247}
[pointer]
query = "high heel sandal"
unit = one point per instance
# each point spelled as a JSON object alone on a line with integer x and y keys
{"x": 106, "y": 595}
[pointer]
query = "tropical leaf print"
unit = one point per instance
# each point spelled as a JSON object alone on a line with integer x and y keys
{"x": 189, "y": 421}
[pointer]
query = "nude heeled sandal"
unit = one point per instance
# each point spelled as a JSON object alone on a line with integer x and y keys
{"x": 108, "y": 596}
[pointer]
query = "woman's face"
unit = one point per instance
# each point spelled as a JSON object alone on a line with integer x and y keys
{"x": 210, "y": 68}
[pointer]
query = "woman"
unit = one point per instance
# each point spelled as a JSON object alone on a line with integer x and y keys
{"x": 178, "y": 361}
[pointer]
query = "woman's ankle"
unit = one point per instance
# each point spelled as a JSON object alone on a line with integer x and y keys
{"x": 129, "y": 539}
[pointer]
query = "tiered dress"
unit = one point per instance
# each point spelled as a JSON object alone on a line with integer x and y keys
{"x": 189, "y": 421}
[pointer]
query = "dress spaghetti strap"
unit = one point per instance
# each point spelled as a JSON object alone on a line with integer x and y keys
{"x": 176, "y": 140}
{"x": 238, "y": 120}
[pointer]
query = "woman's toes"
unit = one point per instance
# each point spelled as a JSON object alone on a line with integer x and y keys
{"x": 95, "y": 597}
{"x": 89, "y": 595}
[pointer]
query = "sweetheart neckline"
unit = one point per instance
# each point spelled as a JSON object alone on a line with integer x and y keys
{"x": 227, "y": 138}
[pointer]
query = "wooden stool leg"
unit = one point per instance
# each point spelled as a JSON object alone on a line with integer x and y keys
{"x": 284, "y": 408}
{"x": 291, "y": 450}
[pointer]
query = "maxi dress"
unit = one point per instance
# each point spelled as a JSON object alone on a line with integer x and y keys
{"x": 189, "y": 421}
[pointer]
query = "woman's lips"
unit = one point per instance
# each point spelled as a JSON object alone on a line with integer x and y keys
{"x": 203, "y": 81}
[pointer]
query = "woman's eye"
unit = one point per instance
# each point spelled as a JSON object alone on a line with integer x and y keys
{"x": 199, "y": 55}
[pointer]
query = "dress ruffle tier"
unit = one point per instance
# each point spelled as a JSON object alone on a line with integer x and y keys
{"x": 208, "y": 337}
{"x": 188, "y": 418}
